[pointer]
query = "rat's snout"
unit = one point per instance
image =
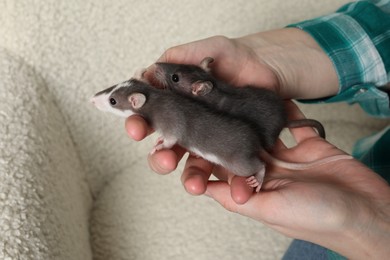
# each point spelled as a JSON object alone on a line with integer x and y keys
{"x": 99, "y": 101}
{"x": 92, "y": 100}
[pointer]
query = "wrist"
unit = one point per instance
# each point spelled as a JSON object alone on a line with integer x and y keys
{"x": 364, "y": 223}
{"x": 370, "y": 236}
{"x": 363, "y": 233}
{"x": 301, "y": 66}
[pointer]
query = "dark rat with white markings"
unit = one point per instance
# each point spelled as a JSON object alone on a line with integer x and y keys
{"x": 219, "y": 138}
{"x": 261, "y": 107}
{"x": 184, "y": 121}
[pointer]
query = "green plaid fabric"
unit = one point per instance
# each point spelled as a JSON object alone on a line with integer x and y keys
{"x": 357, "y": 40}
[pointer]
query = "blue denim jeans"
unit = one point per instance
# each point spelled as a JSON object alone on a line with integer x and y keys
{"x": 303, "y": 250}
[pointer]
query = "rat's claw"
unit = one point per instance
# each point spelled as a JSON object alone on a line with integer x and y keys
{"x": 251, "y": 180}
{"x": 158, "y": 146}
{"x": 254, "y": 183}
{"x": 160, "y": 140}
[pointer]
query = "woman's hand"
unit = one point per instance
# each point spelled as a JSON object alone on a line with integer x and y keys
{"x": 343, "y": 205}
{"x": 287, "y": 60}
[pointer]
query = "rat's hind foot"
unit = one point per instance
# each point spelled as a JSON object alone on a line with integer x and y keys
{"x": 251, "y": 181}
{"x": 255, "y": 181}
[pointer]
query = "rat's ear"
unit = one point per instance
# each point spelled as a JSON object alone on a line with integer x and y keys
{"x": 201, "y": 88}
{"x": 204, "y": 64}
{"x": 137, "y": 100}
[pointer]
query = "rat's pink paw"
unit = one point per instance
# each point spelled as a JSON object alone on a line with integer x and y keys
{"x": 253, "y": 182}
{"x": 158, "y": 146}
{"x": 163, "y": 143}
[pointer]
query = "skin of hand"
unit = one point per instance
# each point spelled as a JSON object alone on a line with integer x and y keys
{"x": 287, "y": 60}
{"x": 343, "y": 205}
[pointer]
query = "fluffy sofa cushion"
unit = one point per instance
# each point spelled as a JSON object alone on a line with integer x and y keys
{"x": 44, "y": 199}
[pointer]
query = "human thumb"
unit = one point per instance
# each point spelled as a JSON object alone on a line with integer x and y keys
{"x": 220, "y": 192}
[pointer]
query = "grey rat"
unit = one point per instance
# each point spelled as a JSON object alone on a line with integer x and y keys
{"x": 185, "y": 121}
{"x": 261, "y": 107}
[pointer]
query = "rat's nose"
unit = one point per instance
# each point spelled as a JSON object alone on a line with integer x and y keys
{"x": 92, "y": 100}
{"x": 99, "y": 101}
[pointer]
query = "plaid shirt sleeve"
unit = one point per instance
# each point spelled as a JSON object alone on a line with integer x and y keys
{"x": 357, "y": 40}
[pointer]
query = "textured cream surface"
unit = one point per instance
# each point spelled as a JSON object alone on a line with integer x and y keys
{"x": 45, "y": 200}
{"x": 57, "y": 151}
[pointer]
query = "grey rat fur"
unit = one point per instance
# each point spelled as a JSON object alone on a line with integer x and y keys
{"x": 185, "y": 121}
{"x": 261, "y": 107}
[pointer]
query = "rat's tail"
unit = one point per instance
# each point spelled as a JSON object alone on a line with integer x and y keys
{"x": 302, "y": 166}
{"x": 307, "y": 122}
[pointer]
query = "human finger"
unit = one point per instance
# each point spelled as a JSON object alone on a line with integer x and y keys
{"x": 137, "y": 128}
{"x": 220, "y": 192}
{"x": 195, "y": 175}
{"x": 193, "y": 52}
{"x": 166, "y": 161}
{"x": 181, "y": 54}
{"x": 240, "y": 191}
{"x": 259, "y": 206}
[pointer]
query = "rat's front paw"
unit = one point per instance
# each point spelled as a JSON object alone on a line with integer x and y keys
{"x": 158, "y": 146}
{"x": 163, "y": 143}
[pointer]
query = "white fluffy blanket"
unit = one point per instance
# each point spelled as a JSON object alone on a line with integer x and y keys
{"x": 72, "y": 184}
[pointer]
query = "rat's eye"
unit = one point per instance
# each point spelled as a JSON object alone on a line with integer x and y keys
{"x": 112, "y": 101}
{"x": 175, "y": 78}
